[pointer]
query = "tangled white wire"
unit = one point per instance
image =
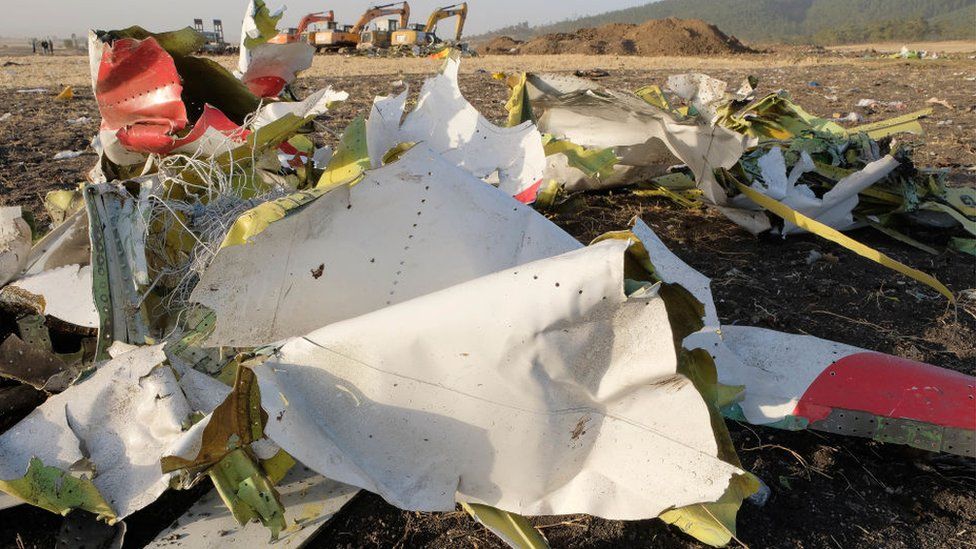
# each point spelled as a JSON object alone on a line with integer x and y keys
{"x": 200, "y": 198}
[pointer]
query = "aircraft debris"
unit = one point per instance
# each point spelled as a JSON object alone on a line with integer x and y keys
{"x": 226, "y": 302}
{"x": 765, "y": 163}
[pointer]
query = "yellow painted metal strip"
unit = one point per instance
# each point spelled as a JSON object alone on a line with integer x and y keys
{"x": 906, "y": 123}
{"x": 593, "y": 162}
{"x": 837, "y": 237}
{"x": 966, "y": 223}
{"x": 57, "y": 491}
{"x": 514, "y": 529}
{"x": 897, "y": 235}
{"x": 250, "y": 223}
{"x": 351, "y": 159}
{"x": 962, "y": 199}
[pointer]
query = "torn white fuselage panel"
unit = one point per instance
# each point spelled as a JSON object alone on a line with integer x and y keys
{"x": 66, "y": 244}
{"x": 67, "y": 293}
{"x": 447, "y": 123}
{"x": 313, "y": 105}
{"x": 122, "y": 420}
{"x": 414, "y": 226}
{"x": 270, "y": 67}
{"x": 564, "y": 400}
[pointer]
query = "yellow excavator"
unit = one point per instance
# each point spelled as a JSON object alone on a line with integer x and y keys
{"x": 378, "y": 34}
{"x": 417, "y": 35}
{"x": 350, "y": 35}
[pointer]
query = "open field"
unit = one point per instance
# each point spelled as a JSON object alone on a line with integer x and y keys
{"x": 827, "y": 491}
{"x": 945, "y": 46}
{"x": 55, "y": 71}
{"x": 22, "y": 70}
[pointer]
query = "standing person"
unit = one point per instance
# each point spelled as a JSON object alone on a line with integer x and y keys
{"x": 34, "y": 45}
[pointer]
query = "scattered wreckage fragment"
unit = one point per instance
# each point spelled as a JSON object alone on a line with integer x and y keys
{"x": 853, "y": 182}
{"x": 208, "y": 523}
{"x": 15, "y": 243}
{"x": 512, "y": 158}
{"x": 461, "y": 407}
{"x": 267, "y": 68}
{"x": 289, "y": 389}
{"x": 64, "y": 291}
{"x": 116, "y": 425}
{"x": 640, "y": 134}
{"x": 402, "y": 216}
{"x": 191, "y": 91}
{"x": 796, "y": 382}
{"x": 827, "y": 386}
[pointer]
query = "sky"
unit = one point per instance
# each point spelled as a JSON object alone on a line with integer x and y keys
{"x": 61, "y": 18}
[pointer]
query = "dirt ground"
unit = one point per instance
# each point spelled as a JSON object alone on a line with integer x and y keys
{"x": 827, "y": 491}
{"x": 944, "y": 46}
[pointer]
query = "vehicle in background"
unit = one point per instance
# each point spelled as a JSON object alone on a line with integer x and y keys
{"x": 379, "y": 35}
{"x": 312, "y": 22}
{"x": 340, "y": 36}
{"x": 417, "y": 35}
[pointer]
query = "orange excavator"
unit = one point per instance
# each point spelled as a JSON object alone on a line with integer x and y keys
{"x": 415, "y": 35}
{"x": 349, "y": 36}
{"x": 312, "y": 22}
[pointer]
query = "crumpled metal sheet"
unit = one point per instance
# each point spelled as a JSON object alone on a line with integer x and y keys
{"x": 641, "y": 134}
{"x": 212, "y": 134}
{"x": 117, "y": 425}
{"x": 66, "y": 244}
{"x": 138, "y": 94}
{"x": 445, "y": 121}
{"x": 30, "y": 365}
{"x": 313, "y": 105}
{"x": 793, "y": 381}
{"x": 273, "y": 66}
{"x": 310, "y": 501}
{"x": 15, "y": 243}
{"x": 834, "y": 209}
{"x": 374, "y": 244}
{"x": 266, "y": 68}
{"x": 565, "y": 400}
{"x": 707, "y": 95}
{"x": 703, "y": 92}
{"x": 808, "y": 377}
{"x": 67, "y": 293}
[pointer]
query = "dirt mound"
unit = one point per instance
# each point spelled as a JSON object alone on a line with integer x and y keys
{"x": 501, "y": 45}
{"x": 652, "y": 38}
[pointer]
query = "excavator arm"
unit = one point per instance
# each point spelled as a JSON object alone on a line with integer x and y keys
{"x": 397, "y": 8}
{"x": 460, "y": 10}
{"x": 318, "y": 17}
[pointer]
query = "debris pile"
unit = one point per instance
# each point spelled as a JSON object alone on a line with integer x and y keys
{"x": 655, "y": 37}
{"x": 225, "y": 302}
{"x": 501, "y": 45}
{"x": 763, "y": 162}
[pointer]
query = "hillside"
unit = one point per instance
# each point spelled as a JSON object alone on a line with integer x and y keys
{"x": 821, "y": 21}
